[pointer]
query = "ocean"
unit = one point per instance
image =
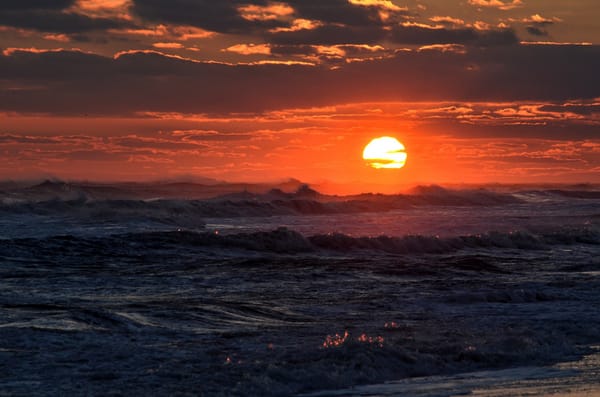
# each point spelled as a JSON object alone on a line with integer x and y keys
{"x": 184, "y": 289}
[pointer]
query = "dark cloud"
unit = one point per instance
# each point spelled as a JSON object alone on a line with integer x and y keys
{"x": 56, "y": 21}
{"x": 409, "y": 35}
{"x": 35, "y": 4}
{"x": 154, "y": 143}
{"x": 537, "y": 24}
{"x": 217, "y": 16}
{"x": 349, "y": 49}
{"x": 224, "y": 16}
{"x": 52, "y": 67}
{"x": 5, "y": 139}
{"x": 337, "y": 12}
{"x": 496, "y": 37}
{"x": 331, "y": 54}
{"x": 330, "y": 34}
{"x": 423, "y": 36}
{"x": 535, "y": 31}
{"x": 582, "y": 108}
{"x": 341, "y": 22}
{"x": 78, "y": 83}
{"x": 194, "y": 136}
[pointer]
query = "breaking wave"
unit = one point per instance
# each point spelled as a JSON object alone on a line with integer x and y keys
{"x": 55, "y": 198}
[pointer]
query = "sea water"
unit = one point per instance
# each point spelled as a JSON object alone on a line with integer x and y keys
{"x": 290, "y": 295}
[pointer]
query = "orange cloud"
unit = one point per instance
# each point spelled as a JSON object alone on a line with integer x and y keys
{"x": 346, "y": 50}
{"x": 250, "y": 49}
{"x": 133, "y": 52}
{"x": 270, "y": 12}
{"x": 538, "y": 19}
{"x": 447, "y": 20}
{"x": 299, "y": 24}
{"x": 330, "y": 50}
{"x": 277, "y": 145}
{"x": 500, "y": 4}
{"x": 182, "y": 33}
{"x": 103, "y": 8}
{"x": 420, "y": 25}
{"x": 159, "y": 30}
{"x": 12, "y": 50}
{"x": 276, "y": 62}
{"x": 383, "y": 4}
{"x": 555, "y": 43}
{"x": 456, "y": 48}
{"x": 189, "y": 32}
{"x": 57, "y": 37}
{"x": 101, "y": 4}
{"x": 480, "y": 25}
{"x": 167, "y": 45}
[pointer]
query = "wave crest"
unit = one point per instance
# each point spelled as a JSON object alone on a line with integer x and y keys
{"x": 283, "y": 240}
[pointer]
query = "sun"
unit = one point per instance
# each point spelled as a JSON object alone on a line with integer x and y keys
{"x": 385, "y": 152}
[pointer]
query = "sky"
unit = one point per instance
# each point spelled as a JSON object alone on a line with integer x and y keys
{"x": 478, "y": 91}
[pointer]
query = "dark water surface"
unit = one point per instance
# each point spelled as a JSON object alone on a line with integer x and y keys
{"x": 240, "y": 306}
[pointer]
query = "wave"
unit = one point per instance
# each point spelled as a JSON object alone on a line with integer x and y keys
{"x": 286, "y": 241}
{"x": 54, "y": 199}
{"x": 426, "y": 244}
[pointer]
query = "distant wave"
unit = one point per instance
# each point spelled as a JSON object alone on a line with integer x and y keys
{"x": 52, "y": 199}
{"x": 286, "y": 241}
{"x": 187, "y": 205}
{"x": 426, "y": 244}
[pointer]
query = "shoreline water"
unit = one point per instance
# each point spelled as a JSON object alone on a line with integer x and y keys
{"x": 570, "y": 379}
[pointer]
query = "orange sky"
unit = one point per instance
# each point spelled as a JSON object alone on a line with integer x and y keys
{"x": 478, "y": 91}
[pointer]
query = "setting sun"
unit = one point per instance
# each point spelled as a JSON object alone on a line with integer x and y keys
{"x": 385, "y": 152}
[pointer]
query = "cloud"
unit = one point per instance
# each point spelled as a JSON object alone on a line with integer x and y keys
{"x": 384, "y": 5}
{"x": 538, "y": 24}
{"x": 102, "y": 8}
{"x": 581, "y": 107}
{"x": 57, "y": 37}
{"x": 78, "y": 83}
{"x": 216, "y": 16}
{"x": 556, "y": 43}
{"x": 337, "y": 12}
{"x": 330, "y": 35}
{"x": 57, "y": 21}
{"x": 167, "y": 45}
{"x": 272, "y": 11}
{"x": 250, "y": 49}
{"x": 144, "y": 142}
{"x": 535, "y": 31}
{"x": 499, "y": 4}
{"x": 405, "y": 33}
{"x": 298, "y": 24}
{"x": 210, "y": 135}
{"x": 171, "y": 32}
{"x": 258, "y": 16}
{"x": 540, "y": 20}
{"x": 419, "y": 34}
{"x": 458, "y": 48}
{"x": 35, "y": 4}
{"x": 27, "y": 139}
{"x": 331, "y": 54}
{"x": 447, "y": 20}
{"x": 280, "y": 141}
